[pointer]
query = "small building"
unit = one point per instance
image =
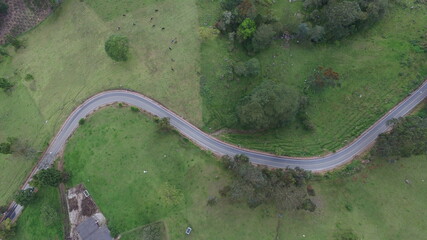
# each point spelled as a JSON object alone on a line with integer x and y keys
{"x": 92, "y": 229}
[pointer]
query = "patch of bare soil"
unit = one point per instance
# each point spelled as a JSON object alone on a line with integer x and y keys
{"x": 88, "y": 207}
{"x": 72, "y": 204}
{"x": 23, "y": 15}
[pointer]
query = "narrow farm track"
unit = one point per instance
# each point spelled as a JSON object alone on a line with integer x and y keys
{"x": 214, "y": 145}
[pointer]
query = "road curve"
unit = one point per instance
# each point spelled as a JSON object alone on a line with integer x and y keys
{"x": 214, "y": 145}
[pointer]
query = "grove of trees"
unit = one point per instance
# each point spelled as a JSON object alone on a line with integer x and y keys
{"x": 47, "y": 177}
{"x": 285, "y": 189}
{"x": 334, "y": 20}
{"x": 408, "y": 137}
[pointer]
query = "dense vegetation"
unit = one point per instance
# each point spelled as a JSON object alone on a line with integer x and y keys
{"x": 285, "y": 189}
{"x": 333, "y": 20}
{"x": 47, "y": 177}
{"x": 117, "y": 47}
{"x": 408, "y": 137}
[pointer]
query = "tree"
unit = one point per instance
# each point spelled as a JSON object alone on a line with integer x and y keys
{"x": 3, "y": 7}
{"x": 25, "y": 197}
{"x": 164, "y": 124}
{"x": 246, "y": 29}
{"x": 270, "y": 105}
{"x": 263, "y": 37}
{"x": 47, "y": 177}
{"x": 7, "y": 229}
{"x": 117, "y": 47}
{"x": 5, "y": 84}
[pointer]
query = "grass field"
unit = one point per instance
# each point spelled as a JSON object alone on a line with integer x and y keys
{"x": 110, "y": 153}
{"x": 32, "y": 226}
{"x": 378, "y": 68}
{"x": 65, "y": 55}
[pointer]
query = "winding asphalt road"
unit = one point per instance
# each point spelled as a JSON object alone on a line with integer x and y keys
{"x": 214, "y": 145}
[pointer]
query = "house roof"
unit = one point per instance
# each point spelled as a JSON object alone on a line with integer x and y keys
{"x": 90, "y": 230}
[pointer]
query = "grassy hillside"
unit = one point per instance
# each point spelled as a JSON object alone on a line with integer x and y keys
{"x": 378, "y": 68}
{"x": 66, "y": 57}
{"x": 110, "y": 153}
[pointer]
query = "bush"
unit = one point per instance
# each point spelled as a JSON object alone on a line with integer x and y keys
{"x": 29, "y": 77}
{"x": 310, "y": 190}
{"x": 207, "y": 33}
{"x": 117, "y": 47}
{"x": 134, "y": 109}
{"x": 82, "y": 121}
{"x": 16, "y": 43}
{"x": 3, "y": 7}
{"x": 3, "y": 209}
{"x": 322, "y": 78}
{"x": 5, "y": 148}
{"x": 251, "y": 68}
{"x": 25, "y": 197}
{"x": 5, "y": 84}
{"x": 164, "y": 124}
{"x": 308, "y": 205}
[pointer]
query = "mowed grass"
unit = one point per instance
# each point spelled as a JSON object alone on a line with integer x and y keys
{"x": 31, "y": 224}
{"x": 65, "y": 55}
{"x": 110, "y": 153}
{"x": 378, "y": 68}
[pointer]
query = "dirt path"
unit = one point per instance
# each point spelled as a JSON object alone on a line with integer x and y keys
{"x": 63, "y": 200}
